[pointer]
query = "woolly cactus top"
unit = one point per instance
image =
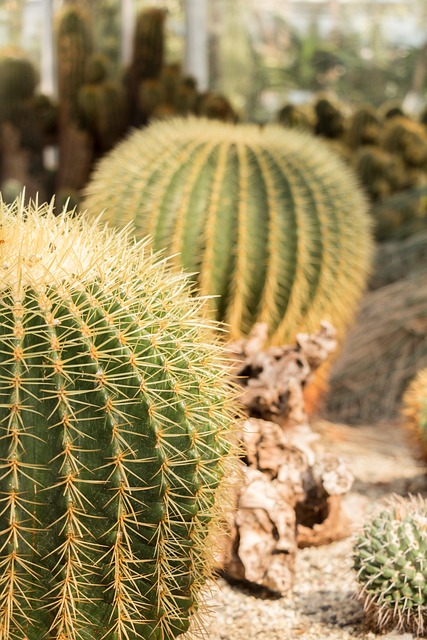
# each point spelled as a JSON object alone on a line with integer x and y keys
{"x": 39, "y": 248}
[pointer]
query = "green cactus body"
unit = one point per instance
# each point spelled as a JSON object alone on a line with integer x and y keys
{"x": 74, "y": 45}
{"x": 102, "y": 111}
{"x": 291, "y": 115}
{"x": 363, "y": 128}
{"x": 407, "y": 139}
{"x": 115, "y": 435}
{"x": 376, "y": 169}
{"x": 270, "y": 219}
{"x": 329, "y": 121}
{"x": 149, "y": 43}
{"x": 415, "y": 410}
{"x": 390, "y": 557}
{"x": 148, "y": 58}
{"x": 18, "y": 80}
{"x": 215, "y": 106}
{"x": 150, "y": 96}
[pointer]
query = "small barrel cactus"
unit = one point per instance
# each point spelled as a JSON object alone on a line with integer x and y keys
{"x": 390, "y": 557}
{"x": 271, "y": 220}
{"x": 116, "y": 438}
{"x": 415, "y": 410}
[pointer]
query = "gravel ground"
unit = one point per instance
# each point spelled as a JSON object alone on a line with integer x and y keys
{"x": 323, "y": 605}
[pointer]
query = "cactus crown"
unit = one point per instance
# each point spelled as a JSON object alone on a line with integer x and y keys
{"x": 271, "y": 220}
{"x": 390, "y": 560}
{"x": 115, "y": 426}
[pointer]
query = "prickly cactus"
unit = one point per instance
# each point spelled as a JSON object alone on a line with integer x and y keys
{"x": 272, "y": 221}
{"x": 74, "y": 46}
{"x": 415, "y": 410}
{"x": 363, "y": 128}
{"x": 148, "y": 57}
{"x": 18, "y": 80}
{"x": 329, "y": 120}
{"x": 390, "y": 557}
{"x": 115, "y": 428}
{"x": 294, "y": 116}
{"x": 101, "y": 106}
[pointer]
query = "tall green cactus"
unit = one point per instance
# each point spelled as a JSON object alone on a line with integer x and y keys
{"x": 148, "y": 57}
{"x": 74, "y": 46}
{"x": 272, "y": 221}
{"x": 116, "y": 440}
{"x": 101, "y": 106}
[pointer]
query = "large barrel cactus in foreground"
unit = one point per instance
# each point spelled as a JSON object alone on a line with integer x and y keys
{"x": 271, "y": 220}
{"x": 115, "y": 437}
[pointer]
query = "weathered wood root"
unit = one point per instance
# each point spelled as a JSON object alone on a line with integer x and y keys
{"x": 290, "y": 490}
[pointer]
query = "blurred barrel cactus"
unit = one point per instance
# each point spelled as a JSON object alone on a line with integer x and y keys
{"x": 272, "y": 222}
{"x": 115, "y": 420}
{"x": 415, "y": 410}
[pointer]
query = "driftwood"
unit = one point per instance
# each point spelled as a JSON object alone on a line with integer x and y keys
{"x": 290, "y": 490}
{"x": 273, "y": 379}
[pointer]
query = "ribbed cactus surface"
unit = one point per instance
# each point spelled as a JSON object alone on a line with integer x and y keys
{"x": 271, "y": 220}
{"x": 115, "y": 435}
{"x": 415, "y": 410}
{"x": 390, "y": 557}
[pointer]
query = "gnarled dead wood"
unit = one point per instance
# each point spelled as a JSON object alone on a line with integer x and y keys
{"x": 290, "y": 489}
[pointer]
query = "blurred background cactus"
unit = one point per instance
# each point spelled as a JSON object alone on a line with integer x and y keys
{"x": 74, "y": 43}
{"x": 270, "y": 220}
{"x": 147, "y": 59}
{"x": 101, "y": 106}
{"x": 415, "y": 410}
{"x": 21, "y": 130}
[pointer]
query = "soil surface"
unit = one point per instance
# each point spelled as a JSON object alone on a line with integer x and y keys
{"x": 323, "y": 604}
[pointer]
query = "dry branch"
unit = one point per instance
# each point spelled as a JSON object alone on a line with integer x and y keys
{"x": 290, "y": 489}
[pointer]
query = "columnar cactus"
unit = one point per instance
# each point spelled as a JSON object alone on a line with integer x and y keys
{"x": 74, "y": 45}
{"x": 149, "y": 42}
{"x": 101, "y": 106}
{"x": 415, "y": 410}
{"x": 148, "y": 58}
{"x": 271, "y": 220}
{"x": 390, "y": 557}
{"x": 115, "y": 435}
